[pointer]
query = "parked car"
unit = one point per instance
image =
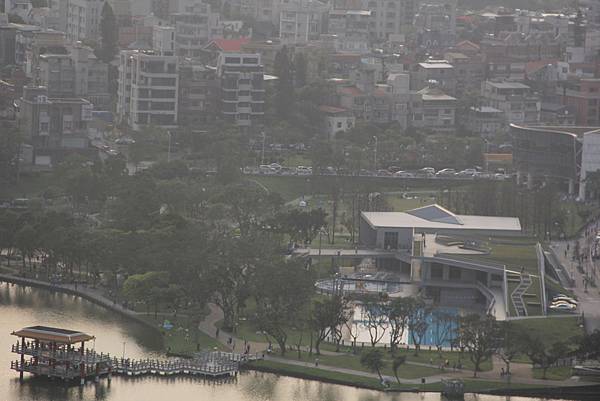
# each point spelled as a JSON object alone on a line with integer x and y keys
{"x": 563, "y": 306}
{"x": 426, "y": 170}
{"x": 383, "y": 173}
{"x": 404, "y": 174}
{"x": 563, "y": 298}
{"x": 447, "y": 172}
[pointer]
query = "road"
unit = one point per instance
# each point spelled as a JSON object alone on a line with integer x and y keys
{"x": 588, "y": 296}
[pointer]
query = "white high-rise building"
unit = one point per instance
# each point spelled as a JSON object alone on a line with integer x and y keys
{"x": 148, "y": 89}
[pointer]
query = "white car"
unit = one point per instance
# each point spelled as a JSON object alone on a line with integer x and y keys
{"x": 447, "y": 172}
{"x": 569, "y": 300}
{"x": 562, "y": 306}
{"x": 403, "y": 174}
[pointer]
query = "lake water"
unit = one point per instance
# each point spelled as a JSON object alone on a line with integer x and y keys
{"x": 21, "y": 307}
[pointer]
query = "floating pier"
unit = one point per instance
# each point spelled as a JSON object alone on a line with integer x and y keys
{"x": 52, "y": 352}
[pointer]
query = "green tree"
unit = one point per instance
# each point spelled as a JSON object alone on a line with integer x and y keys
{"x": 283, "y": 289}
{"x": 145, "y": 287}
{"x": 26, "y": 242}
{"x": 300, "y": 70}
{"x": 589, "y": 346}
{"x": 478, "y": 335}
{"x": 328, "y": 316}
{"x": 542, "y": 354}
{"x": 510, "y": 336}
{"x": 284, "y": 98}
{"x": 109, "y": 34}
{"x": 372, "y": 359}
{"x": 398, "y": 312}
{"x": 396, "y": 363}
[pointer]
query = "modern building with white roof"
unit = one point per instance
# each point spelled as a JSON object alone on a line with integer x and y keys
{"x": 394, "y": 230}
{"x": 462, "y": 261}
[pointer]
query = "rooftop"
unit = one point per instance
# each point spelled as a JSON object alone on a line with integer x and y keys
{"x": 508, "y": 85}
{"x": 53, "y": 334}
{"x": 445, "y": 65}
{"x": 437, "y": 217}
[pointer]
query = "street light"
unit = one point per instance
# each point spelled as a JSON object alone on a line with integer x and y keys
{"x": 169, "y": 149}
{"x": 375, "y": 153}
{"x": 264, "y": 137}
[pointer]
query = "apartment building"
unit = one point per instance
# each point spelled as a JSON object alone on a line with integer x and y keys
{"x": 389, "y": 17}
{"x": 83, "y": 19}
{"x": 198, "y": 94}
{"x": 195, "y": 28}
{"x": 518, "y": 101}
{"x": 583, "y": 95}
{"x": 301, "y": 20}
{"x": 163, "y": 40}
{"x": 433, "y": 110}
{"x": 148, "y": 89}
{"x": 242, "y": 88}
{"x": 439, "y": 71}
{"x": 52, "y": 125}
{"x": 352, "y": 30}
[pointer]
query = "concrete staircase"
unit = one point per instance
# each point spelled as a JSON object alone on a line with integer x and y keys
{"x": 517, "y": 295}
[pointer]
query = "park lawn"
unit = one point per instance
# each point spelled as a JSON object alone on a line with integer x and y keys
{"x": 294, "y": 160}
{"x": 562, "y": 373}
{"x": 551, "y": 329}
{"x": 425, "y": 356}
{"x": 471, "y": 385}
{"x": 399, "y": 204}
{"x": 350, "y": 361}
{"x": 183, "y": 339}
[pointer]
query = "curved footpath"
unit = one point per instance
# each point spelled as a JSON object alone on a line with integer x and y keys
{"x": 521, "y": 372}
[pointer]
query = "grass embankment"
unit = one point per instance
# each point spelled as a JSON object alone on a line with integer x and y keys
{"x": 471, "y": 385}
{"x": 550, "y": 330}
{"x": 562, "y": 373}
{"x": 350, "y": 361}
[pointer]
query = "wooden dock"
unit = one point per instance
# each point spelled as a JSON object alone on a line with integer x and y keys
{"x": 209, "y": 364}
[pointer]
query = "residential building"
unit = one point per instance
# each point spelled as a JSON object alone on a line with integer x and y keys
{"x": 163, "y": 40}
{"x": 8, "y": 34}
{"x": 148, "y": 89}
{"x": 195, "y": 28}
{"x": 389, "y": 18}
{"x": 30, "y": 41}
{"x": 73, "y": 71}
{"x": 242, "y": 88}
{"x": 485, "y": 121}
{"x": 52, "y": 125}
{"x": 434, "y": 72}
{"x": 337, "y": 120}
{"x": 433, "y": 110}
{"x": 584, "y": 96}
{"x": 435, "y": 23}
{"x": 301, "y": 20}
{"x": 469, "y": 71}
{"x": 83, "y": 19}
{"x": 352, "y": 29}
{"x": 518, "y": 102}
{"x": 375, "y": 104}
{"x": 198, "y": 93}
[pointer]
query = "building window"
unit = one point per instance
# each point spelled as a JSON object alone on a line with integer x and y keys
{"x": 390, "y": 240}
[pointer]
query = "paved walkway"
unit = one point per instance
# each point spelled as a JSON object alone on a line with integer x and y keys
{"x": 522, "y": 373}
{"x": 589, "y": 300}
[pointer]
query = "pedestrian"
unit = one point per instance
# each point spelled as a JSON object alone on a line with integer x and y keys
{"x": 431, "y": 361}
{"x": 316, "y": 361}
{"x": 501, "y": 372}
{"x": 217, "y": 332}
{"x": 447, "y": 363}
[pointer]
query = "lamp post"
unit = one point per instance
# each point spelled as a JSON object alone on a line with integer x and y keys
{"x": 375, "y": 154}
{"x": 262, "y": 157}
{"x": 169, "y": 149}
